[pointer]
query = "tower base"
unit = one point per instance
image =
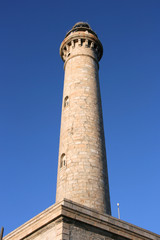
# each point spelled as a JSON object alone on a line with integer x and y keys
{"x": 68, "y": 220}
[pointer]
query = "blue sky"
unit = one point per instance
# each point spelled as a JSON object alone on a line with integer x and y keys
{"x": 31, "y": 85}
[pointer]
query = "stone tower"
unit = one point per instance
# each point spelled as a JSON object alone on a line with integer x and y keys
{"x": 82, "y": 185}
{"x": 82, "y": 166}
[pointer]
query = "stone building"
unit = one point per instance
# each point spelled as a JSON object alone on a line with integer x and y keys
{"x": 82, "y": 210}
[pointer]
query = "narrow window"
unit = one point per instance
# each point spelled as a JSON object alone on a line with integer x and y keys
{"x": 63, "y": 160}
{"x": 66, "y": 101}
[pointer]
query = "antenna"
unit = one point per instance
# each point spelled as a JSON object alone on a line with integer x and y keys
{"x": 118, "y": 210}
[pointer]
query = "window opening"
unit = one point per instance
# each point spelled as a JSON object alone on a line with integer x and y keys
{"x": 63, "y": 160}
{"x": 66, "y": 101}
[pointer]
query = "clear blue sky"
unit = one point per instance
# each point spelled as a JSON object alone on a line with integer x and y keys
{"x": 31, "y": 84}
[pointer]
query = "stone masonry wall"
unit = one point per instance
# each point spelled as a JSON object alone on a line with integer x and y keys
{"x": 82, "y": 168}
{"x": 68, "y": 220}
{"x": 79, "y": 233}
{"x": 46, "y": 233}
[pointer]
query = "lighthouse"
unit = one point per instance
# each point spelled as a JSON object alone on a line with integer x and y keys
{"x": 82, "y": 164}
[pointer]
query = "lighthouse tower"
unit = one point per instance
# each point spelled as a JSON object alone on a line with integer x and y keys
{"x": 82, "y": 198}
{"x": 82, "y": 166}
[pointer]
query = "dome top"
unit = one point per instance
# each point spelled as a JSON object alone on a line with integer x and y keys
{"x": 81, "y": 26}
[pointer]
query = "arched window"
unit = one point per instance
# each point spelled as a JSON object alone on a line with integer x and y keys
{"x": 66, "y": 101}
{"x": 63, "y": 160}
